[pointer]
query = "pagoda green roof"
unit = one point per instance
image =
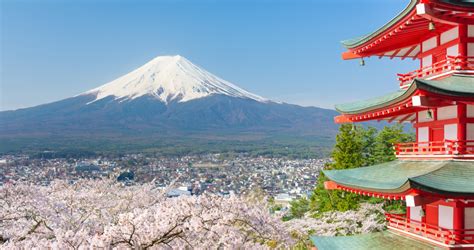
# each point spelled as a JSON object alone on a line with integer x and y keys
{"x": 361, "y": 40}
{"x": 459, "y": 85}
{"x": 455, "y": 177}
{"x": 455, "y": 85}
{"x": 355, "y": 42}
{"x": 372, "y": 103}
{"x": 446, "y": 177}
{"x": 378, "y": 240}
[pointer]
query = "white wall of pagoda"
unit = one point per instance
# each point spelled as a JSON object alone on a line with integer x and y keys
{"x": 470, "y": 30}
{"x": 448, "y": 112}
{"x": 423, "y": 134}
{"x": 469, "y": 218}
{"x": 470, "y": 132}
{"x": 416, "y": 213}
{"x": 445, "y": 217}
{"x": 470, "y": 49}
{"x": 445, "y": 123}
{"x": 470, "y": 46}
{"x": 470, "y": 110}
{"x": 470, "y": 126}
{"x": 451, "y": 132}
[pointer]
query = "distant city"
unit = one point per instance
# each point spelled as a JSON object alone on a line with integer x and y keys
{"x": 282, "y": 178}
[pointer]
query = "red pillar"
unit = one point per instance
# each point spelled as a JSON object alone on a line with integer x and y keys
{"x": 458, "y": 223}
{"x": 462, "y": 115}
{"x": 432, "y": 214}
{"x": 463, "y": 40}
{"x": 462, "y": 47}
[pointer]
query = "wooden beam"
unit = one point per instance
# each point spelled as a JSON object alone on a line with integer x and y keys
{"x": 429, "y": 102}
{"x": 405, "y": 118}
{"x": 418, "y": 200}
{"x": 424, "y": 10}
{"x": 409, "y": 51}
{"x": 342, "y": 119}
{"x": 348, "y": 55}
{"x": 330, "y": 185}
{"x": 391, "y": 119}
{"x": 395, "y": 53}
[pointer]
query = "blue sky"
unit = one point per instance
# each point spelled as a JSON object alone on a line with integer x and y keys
{"x": 286, "y": 50}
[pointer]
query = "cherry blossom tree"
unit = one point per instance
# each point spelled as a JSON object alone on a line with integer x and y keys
{"x": 106, "y": 214}
{"x": 368, "y": 218}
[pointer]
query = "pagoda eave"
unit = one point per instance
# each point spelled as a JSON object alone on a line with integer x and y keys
{"x": 400, "y": 37}
{"x": 331, "y": 185}
{"x": 402, "y": 106}
{"x": 397, "y": 179}
{"x": 404, "y": 112}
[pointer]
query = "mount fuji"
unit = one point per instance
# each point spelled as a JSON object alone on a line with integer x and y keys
{"x": 167, "y": 97}
{"x": 168, "y": 79}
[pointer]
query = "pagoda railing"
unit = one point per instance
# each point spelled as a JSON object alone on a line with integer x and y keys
{"x": 429, "y": 231}
{"x": 446, "y": 147}
{"x": 448, "y": 64}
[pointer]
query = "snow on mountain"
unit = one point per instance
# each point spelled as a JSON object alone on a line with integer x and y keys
{"x": 170, "y": 78}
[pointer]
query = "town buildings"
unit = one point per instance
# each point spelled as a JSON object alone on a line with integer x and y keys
{"x": 189, "y": 174}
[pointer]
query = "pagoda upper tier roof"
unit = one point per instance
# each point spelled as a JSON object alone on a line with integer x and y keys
{"x": 450, "y": 177}
{"x": 455, "y": 85}
{"x": 357, "y": 41}
{"x": 400, "y": 37}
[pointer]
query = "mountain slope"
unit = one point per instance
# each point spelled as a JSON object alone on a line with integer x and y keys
{"x": 169, "y": 97}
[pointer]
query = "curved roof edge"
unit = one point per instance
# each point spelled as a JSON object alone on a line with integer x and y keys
{"x": 355, "y": 42}
{"x": 455, "y": 85}
{"x": 389, "y": 177}
{"x": 450, "y": 177}
{"x": 454, "y": 179}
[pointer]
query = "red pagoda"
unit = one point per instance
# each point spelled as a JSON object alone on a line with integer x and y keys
{"x": 435, "y": 174}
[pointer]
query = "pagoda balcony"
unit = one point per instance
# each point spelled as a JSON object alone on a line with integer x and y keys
{"x": 438, "y": 69}
{"x": 439, "y": 149}
{"x": 401, "y": 223}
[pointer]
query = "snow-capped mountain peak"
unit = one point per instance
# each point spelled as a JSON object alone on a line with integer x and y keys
{"x": 170, "y": 78}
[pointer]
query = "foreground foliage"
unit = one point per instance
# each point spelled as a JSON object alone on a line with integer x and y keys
{"x": 104, "y": 214}
{"x": 368, "y": 218}
{"x": 107, "y": 215}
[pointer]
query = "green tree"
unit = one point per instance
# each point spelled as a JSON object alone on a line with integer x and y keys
{"x": 348, "y": 151}
{"x": 384, "y": 141}
{"x": 299, "y": 207}
{"x": 369, "y": 141}
{"x": 323, "y": 200}
{"x": 356, "y": 147}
